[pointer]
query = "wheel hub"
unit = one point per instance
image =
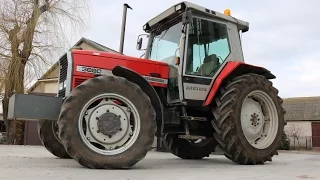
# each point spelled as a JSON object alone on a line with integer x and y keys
{"x": 255, "y": 119}
{"x": 109, "y": 123}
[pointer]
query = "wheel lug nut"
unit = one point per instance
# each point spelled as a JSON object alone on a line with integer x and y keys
{"x": 97, "y": 118}
{"x": 98, "y": 131}
{"x": 110, "y": 136}
{"x": 120, "y": 129}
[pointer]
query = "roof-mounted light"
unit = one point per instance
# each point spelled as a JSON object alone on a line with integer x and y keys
{"x": 227, "y": 12}
{"x": 178, "y": 7}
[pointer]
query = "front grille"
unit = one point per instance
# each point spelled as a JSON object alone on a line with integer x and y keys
{"x": 63, "y": 63}
{"x": 62, "y": 93}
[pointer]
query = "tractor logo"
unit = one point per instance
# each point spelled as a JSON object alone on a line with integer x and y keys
{"x": 195, "y": 88}
{"x": 156, "y": 80}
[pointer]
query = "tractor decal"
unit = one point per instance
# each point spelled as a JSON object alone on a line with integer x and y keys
{"x": 99, "y": 71}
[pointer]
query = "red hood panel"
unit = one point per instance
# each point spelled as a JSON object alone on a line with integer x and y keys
{"x": 108, "y": 61}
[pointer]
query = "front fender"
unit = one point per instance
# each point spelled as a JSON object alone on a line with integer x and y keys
{"x": 231, "y": 70}
{"x": 147, "y": 88}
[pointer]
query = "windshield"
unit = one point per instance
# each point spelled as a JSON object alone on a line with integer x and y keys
{"x": 165, "y": 46}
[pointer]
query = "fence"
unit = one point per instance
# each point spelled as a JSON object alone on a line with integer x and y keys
{"x": 304, "y": 142}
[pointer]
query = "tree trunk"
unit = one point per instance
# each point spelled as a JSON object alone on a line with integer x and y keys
{"x": 15, "y": 128}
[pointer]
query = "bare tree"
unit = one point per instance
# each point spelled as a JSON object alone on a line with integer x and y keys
{"x": 31, "y": 33}
{"x": 296, "y": 132}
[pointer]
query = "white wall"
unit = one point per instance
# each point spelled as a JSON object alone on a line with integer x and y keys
{"x": 300, "y": 128}
{"x": 299, "y": 133}
{"x": 51, "y": 87}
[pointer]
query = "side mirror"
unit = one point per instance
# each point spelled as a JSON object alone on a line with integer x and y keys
{"x": 139, "y": 44}
{"x": 140, "y": 41}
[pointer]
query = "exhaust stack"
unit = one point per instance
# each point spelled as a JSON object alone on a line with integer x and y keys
{"x": 123, "y": 29}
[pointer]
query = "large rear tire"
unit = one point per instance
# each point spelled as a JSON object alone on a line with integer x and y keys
{"x": 48, "y": 134}
{"x": 186, "y": 149}
{"x": 107, "y": 122}
{"x": 249, "y": 119}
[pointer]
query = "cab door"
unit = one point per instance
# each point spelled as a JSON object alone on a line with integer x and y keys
{"x": 206, "y": 51}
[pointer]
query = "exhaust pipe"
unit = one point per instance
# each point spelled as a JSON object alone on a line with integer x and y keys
{"x": 124, "y": 18}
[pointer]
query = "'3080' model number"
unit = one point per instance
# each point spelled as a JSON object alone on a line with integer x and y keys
{"x": 89, "y": 70}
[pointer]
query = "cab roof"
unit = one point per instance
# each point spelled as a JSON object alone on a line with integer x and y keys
{"x": 179, "y": 8}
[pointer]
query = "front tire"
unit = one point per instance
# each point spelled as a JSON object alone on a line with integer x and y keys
{"x": 107, "y": 122}
{"x": 249, "y": 119}
{"x": 48, "y": 135}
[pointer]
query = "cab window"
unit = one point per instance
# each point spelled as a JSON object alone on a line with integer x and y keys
{"x": 208, "y": 47}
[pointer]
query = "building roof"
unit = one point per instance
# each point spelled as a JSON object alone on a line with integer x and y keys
{"x": 302, "y": 108}
{"x": 91, "y": 43}
{"x": 95, "y": 45}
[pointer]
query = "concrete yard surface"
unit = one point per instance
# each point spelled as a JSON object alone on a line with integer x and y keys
{"x": 36, "y": 163}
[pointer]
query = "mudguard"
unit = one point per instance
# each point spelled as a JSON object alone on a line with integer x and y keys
{"x": 233, "y": 69}
{"x": 147, "y": 88}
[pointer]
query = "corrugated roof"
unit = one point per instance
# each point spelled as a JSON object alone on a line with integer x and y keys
{"x": 96, "y": 45}
{"x": 302, "y": 108}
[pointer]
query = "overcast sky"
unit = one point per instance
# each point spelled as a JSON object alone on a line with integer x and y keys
{"x": 283, "y": 35}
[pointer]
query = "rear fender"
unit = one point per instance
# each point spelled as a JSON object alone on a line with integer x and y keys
{"x": 148, "y": 89}
{"x": 231, "y": 70}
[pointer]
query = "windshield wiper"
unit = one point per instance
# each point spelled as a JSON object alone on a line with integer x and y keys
{"x": 165, "y": 32}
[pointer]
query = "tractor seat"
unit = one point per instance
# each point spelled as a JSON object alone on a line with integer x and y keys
{"x": 210, "y": 63}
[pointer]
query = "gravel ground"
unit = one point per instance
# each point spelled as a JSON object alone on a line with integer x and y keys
{"x": 34, "y": 162}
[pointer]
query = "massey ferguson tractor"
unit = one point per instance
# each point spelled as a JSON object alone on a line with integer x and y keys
{"x": 192, "y": 89}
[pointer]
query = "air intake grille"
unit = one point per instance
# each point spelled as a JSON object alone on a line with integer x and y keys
{"x": 63, "y": 63}
{"x": 78, "y": 81}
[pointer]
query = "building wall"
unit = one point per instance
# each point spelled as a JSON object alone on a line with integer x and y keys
{"x": 40, "y": 87}
{"x": 300, "y": 128}
{"x": 86, "y": 46}
{"x": 51, "y": 87}
{"x": 299, "y": 133}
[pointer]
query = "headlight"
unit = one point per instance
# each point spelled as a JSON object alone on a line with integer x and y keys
{"x": 61, "y": 86}
{"x": 178, "y": 7}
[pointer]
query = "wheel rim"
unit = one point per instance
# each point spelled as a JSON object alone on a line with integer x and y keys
{"x": 55, "y": 130}
{"x": 109, "y": 124}
{"x": 259, "y": 119}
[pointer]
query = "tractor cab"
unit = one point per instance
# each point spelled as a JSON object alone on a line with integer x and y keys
{"x": 197, "y": 43}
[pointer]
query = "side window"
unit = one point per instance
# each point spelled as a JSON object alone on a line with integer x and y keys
{"x": 208, "y": 47}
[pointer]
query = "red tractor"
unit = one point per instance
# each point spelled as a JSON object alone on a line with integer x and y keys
{"x": 192, "y": 90}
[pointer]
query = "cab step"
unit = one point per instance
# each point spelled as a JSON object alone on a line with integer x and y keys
{"x": 191, "y": 137}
